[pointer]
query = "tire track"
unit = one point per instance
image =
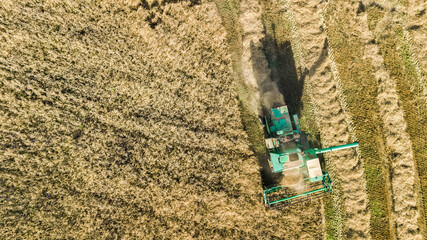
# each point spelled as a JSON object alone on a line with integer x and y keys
{"x": 334, "y": 124}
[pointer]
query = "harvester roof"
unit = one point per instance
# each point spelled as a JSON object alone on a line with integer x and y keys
{"x": 281, "y": 121}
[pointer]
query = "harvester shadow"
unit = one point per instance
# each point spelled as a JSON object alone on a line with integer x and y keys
{"x": 285, "y": 80}
{"x": 284, "y": 72}
{"x": 270, "y": 97}
{"x": 288, "y": 79}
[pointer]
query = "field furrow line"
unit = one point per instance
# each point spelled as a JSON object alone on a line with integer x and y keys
{"x": 334, "y": 123}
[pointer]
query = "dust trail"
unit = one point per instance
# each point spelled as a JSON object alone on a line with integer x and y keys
{"x": 403, "y": 175}
{"x": 254, "y": 63}
{"x": 334, "y": 125}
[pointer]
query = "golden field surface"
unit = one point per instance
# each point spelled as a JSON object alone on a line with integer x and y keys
{"x": 138, "y": 119}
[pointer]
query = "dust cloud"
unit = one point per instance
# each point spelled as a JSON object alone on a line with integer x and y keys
{"x": 269, "y": 92}
{"x": 293, "y": 179}
{"x": 255, "y": 70}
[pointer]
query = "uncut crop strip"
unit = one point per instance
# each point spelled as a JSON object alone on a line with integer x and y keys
{"x": 124, "y": 129}
{"x": 332, "y": 119}
{"x": 403, "y": 174}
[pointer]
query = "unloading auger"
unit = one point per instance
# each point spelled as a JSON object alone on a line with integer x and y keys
{"x": 291, "y": 151}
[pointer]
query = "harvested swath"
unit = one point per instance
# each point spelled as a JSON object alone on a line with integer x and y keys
{"x": 410, "y": 17}
{"x": 403, "y": 176}
{"x": 346, "y": 166}
{"x": 397, "y": 49}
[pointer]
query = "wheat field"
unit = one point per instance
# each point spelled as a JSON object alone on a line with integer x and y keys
{"x": 138, "y": 119}
{"x": 120, "y": 120}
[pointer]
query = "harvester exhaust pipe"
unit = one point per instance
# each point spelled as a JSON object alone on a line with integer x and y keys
{"x": 336, "y": 148}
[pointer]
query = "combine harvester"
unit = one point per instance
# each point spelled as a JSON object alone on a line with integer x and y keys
{"x": 293, "y": 154}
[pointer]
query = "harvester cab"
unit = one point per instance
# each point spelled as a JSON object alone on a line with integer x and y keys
{"x": 292, "y": 153}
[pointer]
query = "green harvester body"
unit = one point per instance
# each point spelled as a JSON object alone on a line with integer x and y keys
{"x": 291, "y": 149}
